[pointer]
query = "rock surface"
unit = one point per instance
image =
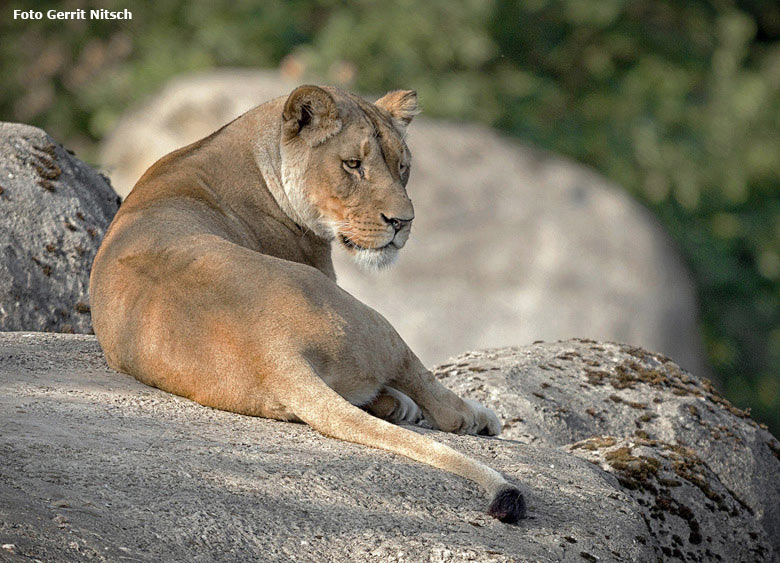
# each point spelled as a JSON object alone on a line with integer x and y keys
{"x": 690, "y": 513}
{"x": 559, "y": 393}
{"x": 94, "y": 465}
{"x": 510, "y": 244}
{"x": 55, "y": 210}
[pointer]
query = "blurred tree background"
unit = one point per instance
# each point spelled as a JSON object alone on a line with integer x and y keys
{"x": 678, "y": 102}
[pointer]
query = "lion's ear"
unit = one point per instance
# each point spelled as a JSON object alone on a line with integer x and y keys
{"x": 311, "y": 113}
{"x": 401, "y": 105}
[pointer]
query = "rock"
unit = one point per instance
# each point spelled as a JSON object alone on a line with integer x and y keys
{"x": 690, "y": 513}
{"x": 510, "y": 244}
{"x": 55, "y": 211}
{"x": 95, "y": 465}
{"x": 558, "y": 393}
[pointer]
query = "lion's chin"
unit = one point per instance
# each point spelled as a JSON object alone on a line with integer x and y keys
{"x": 370, "y": 258}
{"x": 374, "y": 259}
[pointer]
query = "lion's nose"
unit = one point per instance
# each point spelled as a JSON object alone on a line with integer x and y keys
{"x": 395, "y": 222}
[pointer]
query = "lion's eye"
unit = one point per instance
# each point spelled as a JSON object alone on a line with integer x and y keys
{"x": 402, "y": 167}
{"x": 352, "y": 163}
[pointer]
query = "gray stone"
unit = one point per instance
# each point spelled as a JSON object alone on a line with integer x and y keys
{"x": 691, "y": 515}
{"x": 558, "y": 393}
{"x": 55, "y": 210}
{"x": 94, "y": 465}
{"x": 510, "y": 244}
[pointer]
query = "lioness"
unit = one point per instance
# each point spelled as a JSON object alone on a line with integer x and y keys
{"x": 215, "y": 280}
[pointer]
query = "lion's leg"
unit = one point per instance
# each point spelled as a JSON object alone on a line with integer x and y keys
{"x": 394, "y": 406}
{"x": 314, "y": 402}
{"x": 443, "y": 408}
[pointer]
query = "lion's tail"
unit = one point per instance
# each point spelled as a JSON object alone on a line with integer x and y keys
{"x": 328, "y": 412}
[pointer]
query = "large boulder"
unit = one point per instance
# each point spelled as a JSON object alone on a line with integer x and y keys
{"x": 55, "y": 210}
{"x": 510, "y": 243}
{"x": 94, "y": 465}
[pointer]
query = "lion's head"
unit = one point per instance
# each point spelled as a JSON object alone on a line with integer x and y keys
{"x": 345, "y": 166}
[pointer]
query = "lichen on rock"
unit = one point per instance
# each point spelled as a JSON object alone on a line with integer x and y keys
{"x": 689, "y": 512}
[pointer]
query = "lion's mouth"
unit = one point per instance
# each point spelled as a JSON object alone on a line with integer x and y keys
{"x": 349, "y": 243}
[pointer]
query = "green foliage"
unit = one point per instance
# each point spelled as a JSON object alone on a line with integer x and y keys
{"x": 679, "y": 102}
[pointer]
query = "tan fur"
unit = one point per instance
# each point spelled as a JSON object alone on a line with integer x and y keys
{"x": 215, "y": 280}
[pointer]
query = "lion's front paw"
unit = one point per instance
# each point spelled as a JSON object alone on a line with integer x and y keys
{"x": 473, "y": 418}
{"x": 487, "y": 422}
{"x": 396, "y": 407}
{"x": 406, "y": 410}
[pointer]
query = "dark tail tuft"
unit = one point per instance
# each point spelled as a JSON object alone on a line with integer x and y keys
{"x": 508, "y": 505}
